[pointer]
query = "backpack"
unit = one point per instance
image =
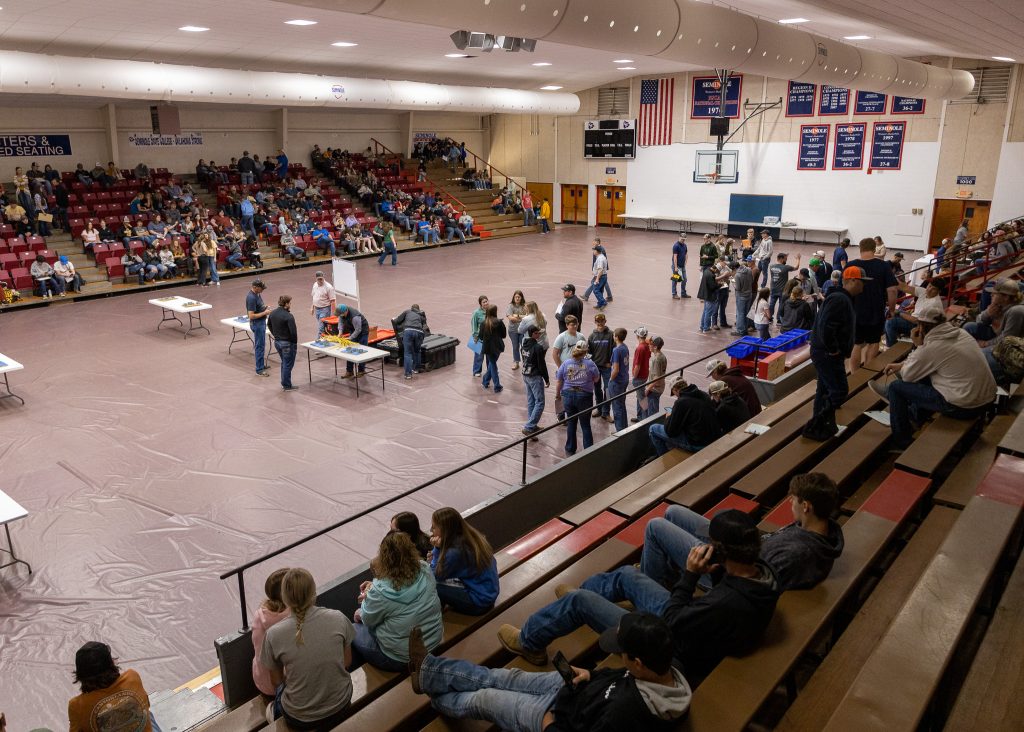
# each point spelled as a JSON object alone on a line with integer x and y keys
{"x": 1009, "y": 352}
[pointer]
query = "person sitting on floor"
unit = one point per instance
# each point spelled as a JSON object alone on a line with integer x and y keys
{"x": 730, "y": 408}
{"x": 692, "y": 425}
{"x": 728, "y": 620}
{"x": 647, "y": 693}
{"x": 401, "y": 596}
{"x": 945, "y": 373}
{"x": 463, "y": 563}
{"x": 801, "y": 553}
{"x": 110, "y": 699}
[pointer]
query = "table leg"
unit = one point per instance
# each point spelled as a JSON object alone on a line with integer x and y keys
{"x": 165, "y": 319}
{"x": 309, "y": 365}
{"x": 236, "y": 339}
{"x": 382, "y": 375}
{"x": 10, "y": 550}
{"x": 10, "y": 394}
{"x": 192, "y": 319}
{"x": 355, "y": 373}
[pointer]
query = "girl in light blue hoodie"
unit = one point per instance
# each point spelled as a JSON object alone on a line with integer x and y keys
{"x": 401, "y": 596}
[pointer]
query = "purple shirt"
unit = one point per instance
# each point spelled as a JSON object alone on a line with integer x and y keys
{"x": 578, "y": 374}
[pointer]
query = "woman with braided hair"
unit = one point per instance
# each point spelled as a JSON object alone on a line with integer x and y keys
{"x": 307, "y": 656}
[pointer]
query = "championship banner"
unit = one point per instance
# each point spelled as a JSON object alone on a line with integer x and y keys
{"x": 870, "y": 103}
{"x": 707, "y": 97}
{"x": 834, "y": 100}
{"x": 848, "y": 153}
{"x": 800, "y": 99}
{"x": 813, "y": 147}
{"x": 887, "y": 145}
{"x": 907, "y": 105}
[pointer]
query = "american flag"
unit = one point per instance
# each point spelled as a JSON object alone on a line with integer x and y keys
{"x": 656, "y": 98}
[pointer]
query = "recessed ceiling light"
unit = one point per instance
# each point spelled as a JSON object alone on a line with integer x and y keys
{"x": 541, "y": 63}
{"x": 193, "y": 28}
{"x": 1004, "y": 58}
{"x": 623, "y": 61}
{"x": 857, "y": 38}
{"x": 626, "y": 68}
{"x": 300, "y": 22}
{"x": 344, "y": 44}
{"x": 793, "y": 21}
{"x": 551, "y": 87}
{"x": 456, "y": 55}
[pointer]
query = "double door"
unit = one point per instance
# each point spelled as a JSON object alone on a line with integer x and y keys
{"x": 574, "y": 203}
{"x": 611, "y": 201}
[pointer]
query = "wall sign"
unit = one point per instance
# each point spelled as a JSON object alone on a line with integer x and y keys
{"x": 848, "y": 153}
{"x": 834, "y": 100}
{"x": 38, "y": 146}
{"x": 184, "y": 139}
{"x": 813, "y": 147}
{"x": 707, "y": 97}
{"x": 907, "y": 105}
{"x": 423, "y": 137}
{"x": 800, "y": 100}
{"x": 966, "y": 180}
{"x": 609, "y": 171}
{"x": 870, "y": 103}
{"x": 887, "y": 145}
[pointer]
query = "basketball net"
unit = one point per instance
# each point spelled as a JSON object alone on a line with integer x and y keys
{"x": 711, "y": 178}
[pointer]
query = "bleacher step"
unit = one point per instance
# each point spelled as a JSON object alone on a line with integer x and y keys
{"x": 185, "y": 709}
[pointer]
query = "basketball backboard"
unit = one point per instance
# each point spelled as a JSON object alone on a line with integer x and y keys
{"x": 722, "y": 164}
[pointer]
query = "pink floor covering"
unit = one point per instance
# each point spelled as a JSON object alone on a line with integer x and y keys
{"x": 150, "y": 464}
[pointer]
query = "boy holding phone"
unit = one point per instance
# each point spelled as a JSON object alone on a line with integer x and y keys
{"x": 647, "y": 694}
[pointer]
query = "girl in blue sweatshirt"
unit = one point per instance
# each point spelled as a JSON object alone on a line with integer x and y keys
{"x": 463, "y": 563}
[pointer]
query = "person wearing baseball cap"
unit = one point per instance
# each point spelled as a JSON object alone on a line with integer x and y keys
{"x": 1005, "y": 306}
{"x": 641, "y": 371}
{"x": 945, "y": 373}
{"x": 730, "y": 409}
{"x": 645, "y": 693}
{"x": 679, "y": 267}
{"x": 832, "y": 337}
{"x": 718, "y": 370}
{"x": 570, "y": 305}
{"x": 324, "y": 302}
{"x": 258, "y": 313}
{"x": 107, "y": 693}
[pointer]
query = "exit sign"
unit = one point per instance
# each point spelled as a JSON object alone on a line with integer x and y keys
{"x": 966, "y": 180}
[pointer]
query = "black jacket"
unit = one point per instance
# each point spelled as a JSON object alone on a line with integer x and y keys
{"x": 693, "y": 416}
{"x": 609, "y": 702}
{"x": 415, "y": 319}
{"x": 732, "y": 412}
{"x": 601, "y": 345}
{"x": 795, "y": 315}
{"x": 740, "y": 384}
{"x": 534, "y": 363}
{"x": 726, "y": 621}
{"x": 281, "y": 324}
{"x": 833, "y": 327}
{"x": 572, "y": 306}
{"x": 708, "y": 289}
{"x": 494, "y": 342}
{"x": 801, "y": 558}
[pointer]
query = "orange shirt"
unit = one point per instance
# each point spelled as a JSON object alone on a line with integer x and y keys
{"x": 122, "y": 706}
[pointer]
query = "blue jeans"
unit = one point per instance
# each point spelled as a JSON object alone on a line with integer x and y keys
{"x": 568, "y": 613}
{"x": 742, "y": 322}
{"x": 601, "y": 390}
{"x": 529, "y": 217}
{"x": 653, "y": 405}
{"x": 247, "y": 225}
{"x": 833, "y": 387}
{"x": 534, "y": 401}
{"x": 997, "y": 368}
{"x": 710, "y": 310}
{"x": 762, "y": 266}
{"x": 681, "y": 283}
{"x": 762, "y": 332}
{"x": 362, "y": 339}
{"x": 235, "y": 260}
{"x": 389, "y": 248}
{"x": 491, "y": 374}
{"x": 412, "y": 340}
{"x": 544, "y": 228}
{"x": 366, "y": 648}
{"x": 723, "y": 303}
{"x": 286, "y": 351}
{"x": 773, "y": 301}
{"x": 510, "y": 698}
{"x": 517, "y": 339}
{"x": 914, "y": 402}
{"x": 456, "y": 231}
{"x": 478, "y": 362}
{"x": 320, "y": 314}
{"x": 896, "y": 327}
{"x": 259, "y": 342}
{"x": 454, "y": 595}
{"x": 668, "y": 541}
{"x": 573, "y": 402}
{"x": 979, "y": 331}
{"x": 599, "y": 290}
{"x": 663, "y": 443}
{"x": 49, "y": 286}
{"x": 327, "y": 244}
{"x": 616, "y": 390}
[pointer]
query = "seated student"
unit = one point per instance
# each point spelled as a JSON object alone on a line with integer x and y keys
{"x": 795, "y": 313}
{"x": 692, "y": 425}
{"x": 64, "y": 270}
{"x": 730, "y": 408}
{"x": 463, "y": 563}
{"x": 801, "y": 554}
{"x": 409, "y": 523}
{"x": 402, "y": 596}
{"x": 167, "y": 261}
{"x": 271, "y": 611}
{"x": 109, "y": 699}
{"x": 152, "y": 259}
{"x": 324, "y": 240}
{"x": 647, "y": 694}
{"x": 307, "y": 655}
{"x": 900, "y": 324}
{"x": 182, "y": 262}
{"x": 728, "y": 620}
{"x": 90, "y": 236}
{"x": 717, "y": 370}
{"x": 298, "y": 254}
{"x": 945, "y": 373}
{"x": 45, "y": 278}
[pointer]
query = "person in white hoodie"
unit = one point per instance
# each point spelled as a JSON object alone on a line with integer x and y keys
{"x": 945, "y": 373}
{"x": 402, "y": 596}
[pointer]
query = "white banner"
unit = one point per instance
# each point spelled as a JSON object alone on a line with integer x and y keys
{"x": 184, "y": 139}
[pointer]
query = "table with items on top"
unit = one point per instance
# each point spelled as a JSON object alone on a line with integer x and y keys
{"x": 174, "y": 305}
{"x": 355, "y": 354}
{"x": 241, "y": 330}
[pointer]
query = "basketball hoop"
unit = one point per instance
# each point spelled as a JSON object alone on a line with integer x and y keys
{"x": 711, "y": 178}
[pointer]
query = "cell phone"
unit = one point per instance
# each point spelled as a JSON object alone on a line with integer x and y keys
{"x": 563, "y": 668}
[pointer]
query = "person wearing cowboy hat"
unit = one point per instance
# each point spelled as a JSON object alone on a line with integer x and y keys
{"x": 945, "y": 373}
{"x": 258, "y": 312}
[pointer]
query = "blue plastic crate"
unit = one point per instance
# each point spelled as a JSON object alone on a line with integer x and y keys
{"x": 793, "y": 339}
{"x": 744, "y": 347}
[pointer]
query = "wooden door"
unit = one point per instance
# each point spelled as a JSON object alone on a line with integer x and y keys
{"x": 611, "y": 201}
{"x": 574, "y": 204}
{"x": 582, "y": 197}
{"x": 948, "y": 214}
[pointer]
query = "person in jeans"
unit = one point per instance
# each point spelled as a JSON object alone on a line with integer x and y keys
{"x": 475, "y": 321}
{"x": 514, "y": 313}
{"x": 641, "y": 371}
{"x": 679, "y": 267}
{"x": 575, "y": 380}
{"x": 492, "y": 340}
{"x": 281, "y": 323}
{"x": 743, "y": 284}
{"x": 258, "y": 313}
{"x": 324, "y": 300}
{"x": 412, "y": 324}
{"x": 728, "y": 620}
{"x": 561, "y": 351}
{"x": 600, "y": 343}
{"x": 945, "y": 373}
{"x": 707, "y": 293}
{"x": 656, "y": 384}
{"x": 832, "y": 337}
{"x": 763, "y": 255}
{"x": 645, "y": 693}
{"x": 46, "y": 278}
{"x": 535, "y": 377}
{"x": 692, "y": 425}
{"x": 618, "y": 379}
{"x": 463, "y": 564}
{"x": 599, "y": 276}
{"x": 801, "y": 553}
{"x": 353, "y": 322}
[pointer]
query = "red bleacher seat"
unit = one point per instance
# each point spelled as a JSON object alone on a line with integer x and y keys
{"x": 136, "y": 246}
{"x": 114, "y": 267}
{"x": 116, "y": 250}
{"x": 22, "y": 278}
{"x": 100, "y": 251}
{"x": 88, "y": 197}
{"x": 36, "y": 242}
{"x": 733, "y": 500}
{"x": 8, "y": 261}
{"x": 26, "y": 258}
{"x": 5, "y": 278}
{"x": 101, "y": 209}
{"x": 48, "y": 254}
{"x": 103, "y": 196}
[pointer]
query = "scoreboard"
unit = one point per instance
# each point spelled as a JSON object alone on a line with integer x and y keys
{"x": 609, "y": 138}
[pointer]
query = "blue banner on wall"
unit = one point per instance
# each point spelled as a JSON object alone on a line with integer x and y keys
{"x": 870, "y": 103}
{"x": 848, "y": 153}
{"x": 800, "y": 100}
{"x": 707, "y": 97}
{"x": 833, "y": 100}
{"x": 813, "y": 147}
{"x": 887, "y": 145}
{"x": 907, "y": 105}
{"x": 34, "y": 146}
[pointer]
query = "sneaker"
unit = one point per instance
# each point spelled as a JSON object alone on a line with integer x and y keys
{"x": 610, "y": 299}
{"x": 408, "y": 376}
{"x": 634, "y": 420}
{"x": 880, "y": 389}
{"x": 347, "y": 376}
{"x": 499, "y": 389}
{"x": 685, "y": 296}
{"x": 675, "y": 297}
{"x": 509, "y": 637}
{"x": 608, "y": 418}
{"x": 562, "y": 589}
{"x": 596, "y": 413}
{"x": 264, "y": 372}
{"x": 417, "y": 653}
{"x": 289, "y": 388}
{"x": 476, "y": 375}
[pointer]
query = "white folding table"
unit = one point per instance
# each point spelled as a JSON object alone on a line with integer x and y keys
{"x": 241, "y": 325}
{"x": 11, "y": 510}
{"x": 7, "y": 365}
{"x": 339, "y": 353}
{"x": 174, "y": 305}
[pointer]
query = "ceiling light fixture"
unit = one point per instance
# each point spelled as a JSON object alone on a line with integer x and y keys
{"x": 193, "y": 28}
{"x": 857, "y": 38}
{"x": 623, "y": 61}
{"x": 551, "y": 87}
{"x": 793, "y": 21}
{"x": 300, "y": 22}
{"x": 1004, "y": 58}
{"x": 626, "y": 68}
{"x": 344, "y": 44}
{"x": 541, "y": 63}
{"x": 456, "y": 55}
